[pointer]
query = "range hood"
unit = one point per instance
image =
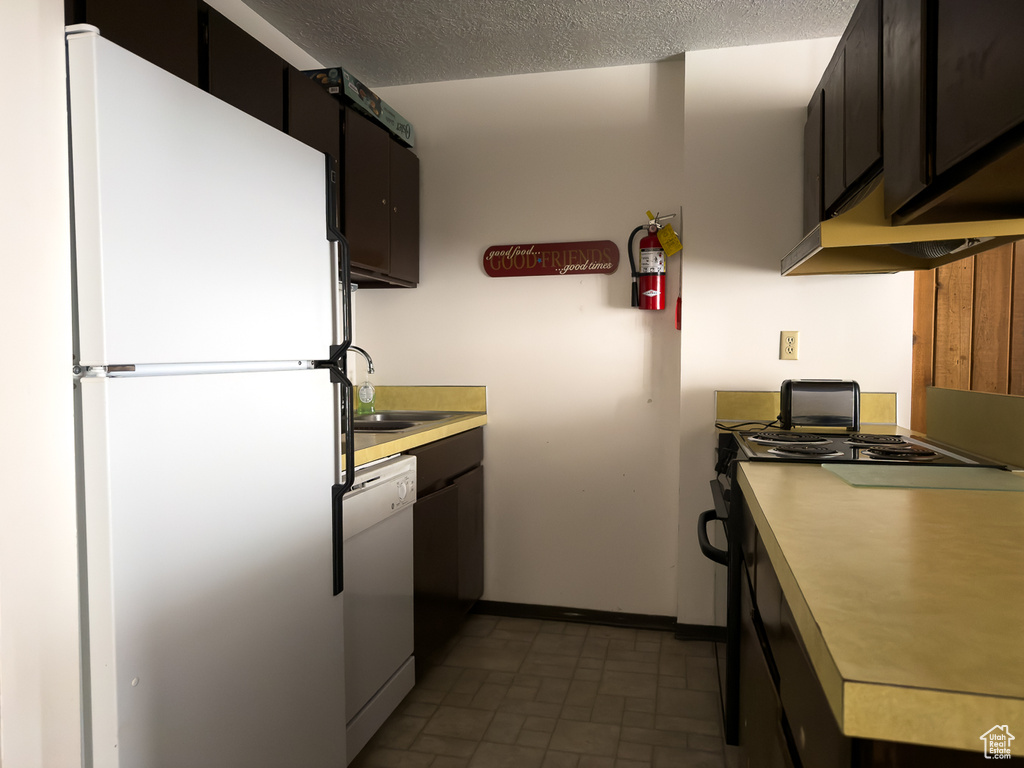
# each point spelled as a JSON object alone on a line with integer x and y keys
{"x": 862, "y": 240}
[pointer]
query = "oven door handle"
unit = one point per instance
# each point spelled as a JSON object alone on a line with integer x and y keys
{"x": 711, "y": 552}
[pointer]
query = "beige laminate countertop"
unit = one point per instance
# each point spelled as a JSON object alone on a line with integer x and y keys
{"x": 910, "y": 602}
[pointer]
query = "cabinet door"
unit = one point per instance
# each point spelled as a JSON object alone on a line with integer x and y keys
{"x": 903, "y": 95}
{"x": 762, "y": 739}
{"x": 979, "y": 76}
{"x": 816, "y": 734}
{"x": 833, "y": 90}
{"x": 470, "y": 487}
{"x": 405, "y": 213}
{"x": 862, "y": 135}
{"x": 163, "y": 32}
{"x": 435, "y": 570}
{"x": 244, "y": 73}
{"x": 851, "y": 112}
{"x": 367, "y": 220}
{"x": 812, "y": 164}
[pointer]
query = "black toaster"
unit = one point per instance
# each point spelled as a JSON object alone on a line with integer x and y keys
{"x": 819, "y": 403}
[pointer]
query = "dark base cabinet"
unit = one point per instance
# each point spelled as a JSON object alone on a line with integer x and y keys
{"x": 435, "y": 551}
{"x": 762, "y": 733}
{"x": 785, "y": 718}
{"x": 448, "y": 543}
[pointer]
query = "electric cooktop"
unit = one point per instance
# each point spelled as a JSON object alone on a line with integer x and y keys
{"x": 847, "y": 448}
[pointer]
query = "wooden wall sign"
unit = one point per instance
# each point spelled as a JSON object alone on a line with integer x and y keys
{"x": 580, "y": 258}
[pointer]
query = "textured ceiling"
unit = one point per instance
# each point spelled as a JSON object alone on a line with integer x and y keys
{"x": 395, "y": 42}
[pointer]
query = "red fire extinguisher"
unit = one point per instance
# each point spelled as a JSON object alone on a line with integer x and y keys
{"x": 649, "y": 279}
{"x": 651, "y": 275}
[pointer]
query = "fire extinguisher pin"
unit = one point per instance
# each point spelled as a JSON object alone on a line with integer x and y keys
{"x": 658, "y": 218}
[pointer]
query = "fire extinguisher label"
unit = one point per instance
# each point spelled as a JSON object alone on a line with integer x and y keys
{"x": 652, "y": 261}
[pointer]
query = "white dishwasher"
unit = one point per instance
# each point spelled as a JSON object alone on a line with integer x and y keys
{"x": 379, "y": 666}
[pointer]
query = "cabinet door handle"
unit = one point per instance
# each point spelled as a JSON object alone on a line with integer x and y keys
{"x": 384, "y": 201}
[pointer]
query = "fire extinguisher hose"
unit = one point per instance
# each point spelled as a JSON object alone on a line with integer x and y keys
{"x": 634, "y": 299}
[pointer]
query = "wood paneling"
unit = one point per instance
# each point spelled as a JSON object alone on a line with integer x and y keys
{"x": 1017, "y": 324}
{"x": 954, "y": 309}
{"x": 969, "y": 327}
{"x": 990, "y": 345}
{"x": 924, "y": 345}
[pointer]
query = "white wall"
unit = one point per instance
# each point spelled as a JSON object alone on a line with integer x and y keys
{"x": 582, "y": 437}
{"x": 745, "y": 111}
{"x": 39, "y": 702}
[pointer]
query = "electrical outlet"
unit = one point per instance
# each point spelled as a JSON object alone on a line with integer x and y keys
{"x": 789, "y": 345}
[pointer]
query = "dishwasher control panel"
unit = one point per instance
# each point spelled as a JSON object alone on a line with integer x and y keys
{"x": 381, "y": 489}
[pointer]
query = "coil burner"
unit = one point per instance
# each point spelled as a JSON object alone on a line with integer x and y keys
{"x": 806, "y": 451}
{"x": 864, "y": 439}
{"x": 900, "y": 453}
{"x": 789, "y": 438}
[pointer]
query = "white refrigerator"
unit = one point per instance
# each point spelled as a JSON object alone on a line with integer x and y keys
{"x": 208, "y": 430}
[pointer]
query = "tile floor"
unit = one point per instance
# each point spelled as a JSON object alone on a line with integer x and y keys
{"x": 523, "y": 693}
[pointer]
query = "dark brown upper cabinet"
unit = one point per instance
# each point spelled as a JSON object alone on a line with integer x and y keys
{"x": 843, "y": 134}
{"x": 862, "y": 137}
{"x": 954, "y": 110}
{"x": 163, "y": 32}
{"x": 850, "y": 112}
{"x": 381, "y": 207}
{"x": 812, "y": 163}
{"x": 833, "y": 88}
{"x": 366, "y": 221}
{"x": 243, "y": 72}
{"x": 314, "y": 117}
{"x": 405, "y": 214}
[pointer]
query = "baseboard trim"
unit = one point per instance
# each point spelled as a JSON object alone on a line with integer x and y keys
{"x": 706, "y": 632}
{"x": 604, "y": 618}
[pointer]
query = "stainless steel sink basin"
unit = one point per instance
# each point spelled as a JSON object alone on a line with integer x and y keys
{"x": 404, "y": 416}
{"x": 363, "y": 425}
{"x": 394, "y": 421}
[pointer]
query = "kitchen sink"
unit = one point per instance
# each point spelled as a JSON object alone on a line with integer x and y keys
{"x": 395, "y": 421}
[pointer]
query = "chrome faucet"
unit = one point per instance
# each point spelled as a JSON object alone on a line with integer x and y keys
{"x": 363, "y": 352}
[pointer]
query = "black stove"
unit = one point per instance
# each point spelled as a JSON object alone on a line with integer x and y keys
{"x": 846, "y": 449}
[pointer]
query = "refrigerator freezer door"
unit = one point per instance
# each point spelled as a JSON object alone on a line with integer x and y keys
{"x": 214, "y": 635}
{"x": 200, "y": 232}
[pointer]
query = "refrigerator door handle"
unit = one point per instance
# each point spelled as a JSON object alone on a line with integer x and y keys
{"x": 344, "y": 429}
{"x": 339, "y": 353}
